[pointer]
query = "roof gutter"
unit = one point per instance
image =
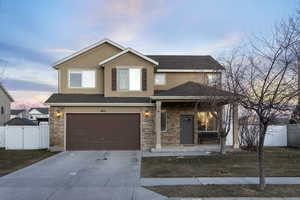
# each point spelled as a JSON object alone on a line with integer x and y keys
{"x": 102, "y": 104}
{"x": 189, "y": 70}
{"x": 188, "y": 97}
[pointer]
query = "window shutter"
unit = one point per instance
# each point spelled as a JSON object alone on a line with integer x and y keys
{"x": 144, "y": 79}
{"x": 114, "y": 79}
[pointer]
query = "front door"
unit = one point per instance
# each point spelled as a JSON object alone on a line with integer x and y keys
{"x": 187, "y": 129}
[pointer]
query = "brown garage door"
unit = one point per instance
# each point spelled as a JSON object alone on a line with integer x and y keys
{"x": 105, "y": 131}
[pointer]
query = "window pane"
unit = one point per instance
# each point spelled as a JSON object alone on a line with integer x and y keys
{"x": 135, "y": 79}
{"x": 201, "y": 121}
{"x": 163, "y": 121}
{"x": 160, "y": 79}
{"x": 88, "y": 79}
{"x": 212, "y": 79}
{"x": 211, "y": 122}
{"x": 75, "y": 79}
{"x": 123, "y": 79}
{"x": 207, "y": 121}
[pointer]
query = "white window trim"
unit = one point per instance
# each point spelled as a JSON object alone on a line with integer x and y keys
{"x": 79, "y": 71}
{"x": 165, "y": 81}
{"x": 166, "y": 130}
{"x": 129, "y": 67}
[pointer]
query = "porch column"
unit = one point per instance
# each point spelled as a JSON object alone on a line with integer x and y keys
{"x": 235, "y": 132}
{"x": 158, "y": 125}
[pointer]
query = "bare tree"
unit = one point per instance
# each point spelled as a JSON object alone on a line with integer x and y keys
{"x": 220, "y": 103}
{"x": 266, "y": 80}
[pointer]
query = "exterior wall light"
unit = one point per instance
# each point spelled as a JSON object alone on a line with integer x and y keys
{"x": 147, "y": 113}
{"x": 58, "y": 114}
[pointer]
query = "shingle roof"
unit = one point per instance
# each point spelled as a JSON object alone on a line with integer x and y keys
{"x": 186, "y": 62}
{"x": 16, "y": 111}
{"x": 42, "y": 110}
{"x": 192, "y": 89}
{"x": 20, "y": 122}
{"x": 94, "y": 98}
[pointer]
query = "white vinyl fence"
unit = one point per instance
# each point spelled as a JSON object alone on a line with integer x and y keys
{"x": 2, "y": 136}
{"x": 27, "y": 137}
{"x": 276, "y": 136}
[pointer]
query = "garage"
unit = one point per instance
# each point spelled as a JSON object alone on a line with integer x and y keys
{"x": 103, "y": 131}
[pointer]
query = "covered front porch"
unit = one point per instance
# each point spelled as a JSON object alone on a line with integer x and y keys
{"x": 179, "y": 126}
{"x": 189, "y": 123}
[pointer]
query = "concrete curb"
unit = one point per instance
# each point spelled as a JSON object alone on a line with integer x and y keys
{"x": 217, "y": 180}
{"x": 239, "y": 198}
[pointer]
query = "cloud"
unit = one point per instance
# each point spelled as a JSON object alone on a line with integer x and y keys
{"x": 25, "y": 85}
{"x": 227, "y": 42}
{"x": 61, "y": 50}
{"x": 20, "y": 52}
{"x": 29, "y": 98}
{"x": 122, "y": 21}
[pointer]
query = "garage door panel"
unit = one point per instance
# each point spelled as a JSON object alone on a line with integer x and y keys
{"x": 105, "y": 131}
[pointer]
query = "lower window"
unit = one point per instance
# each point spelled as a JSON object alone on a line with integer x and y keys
{"x": 207, "y": 121}
{"x": 163, "y": 121}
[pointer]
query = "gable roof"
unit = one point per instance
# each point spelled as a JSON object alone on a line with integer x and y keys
{"x": 42, "y": 110}
{"x": 186, "y": 62}
{"x": 126, "y": 51}
{"x": 6, "y": 93}
{"x": 193, "y": 89}
{"x": 87, "y": 49}
{"x": 16, "y": 111}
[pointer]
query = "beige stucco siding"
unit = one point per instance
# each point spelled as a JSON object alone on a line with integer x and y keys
{"x": 88, "y": 60}
{"x": 174, "y": 79}
{"x": 128, "y": 60}
{"x": 57, "y": 124}
{"x": 5, "y": 102}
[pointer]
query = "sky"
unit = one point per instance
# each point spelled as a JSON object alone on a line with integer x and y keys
{"x": 34, "y": 33}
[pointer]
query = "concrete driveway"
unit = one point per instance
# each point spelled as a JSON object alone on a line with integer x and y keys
{"x": 79, "y": 175}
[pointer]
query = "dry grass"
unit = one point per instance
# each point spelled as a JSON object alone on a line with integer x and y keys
{"x": 12, "y": 160}
{"x": 278, "y": 161}
{"x": 227, "y": 191}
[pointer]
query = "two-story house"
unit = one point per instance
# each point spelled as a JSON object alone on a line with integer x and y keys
{"x": 115, "y": 98}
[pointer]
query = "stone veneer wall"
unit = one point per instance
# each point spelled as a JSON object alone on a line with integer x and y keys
{"x": 57, "y": 128}
{"x": 148, "y": 130}
{"x": 172, "y": 135}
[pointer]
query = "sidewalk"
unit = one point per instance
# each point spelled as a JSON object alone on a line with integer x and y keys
{"x": 217, "y": 180}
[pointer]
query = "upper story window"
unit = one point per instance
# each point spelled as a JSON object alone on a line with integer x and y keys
{"x": 2, "y": 110}
{"x": 160, "y": 79}
{"x": 129, "y": 79}
{"x": 82, "y": 79}
{"x": 213, "y": 79}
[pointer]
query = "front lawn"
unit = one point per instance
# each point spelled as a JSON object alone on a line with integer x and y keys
{"x": 227, "y": 191}
{"x": 12, "y": 160}
{"x": 279, "y": 162}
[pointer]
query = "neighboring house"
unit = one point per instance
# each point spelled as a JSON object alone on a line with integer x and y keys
{"x": 39, "y": 114}
{"x": 5, "y": 101}
{"x": 21, "y": 113}
{"x": 115, "y": 98}
{"x": 18, "y": 121}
